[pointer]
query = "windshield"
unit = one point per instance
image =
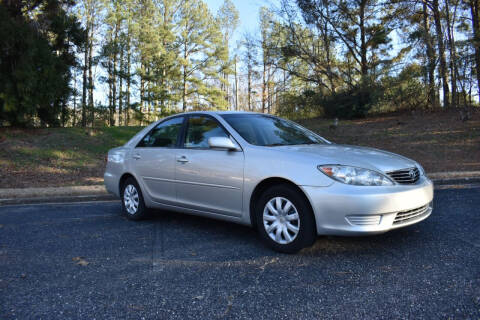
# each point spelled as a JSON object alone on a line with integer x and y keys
{"x": 266, "y": 130}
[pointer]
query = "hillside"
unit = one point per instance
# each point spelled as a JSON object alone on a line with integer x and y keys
{"x": 56, "y": 156}
{"x": 73, "y": 156}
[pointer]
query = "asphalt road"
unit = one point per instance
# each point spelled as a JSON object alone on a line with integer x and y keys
{"x": 85, "y": 261}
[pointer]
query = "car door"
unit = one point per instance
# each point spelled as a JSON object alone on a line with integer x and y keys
{"x": 208, "y": 179}
{"x": 153, "y": 160}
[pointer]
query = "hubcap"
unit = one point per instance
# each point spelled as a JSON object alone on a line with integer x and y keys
{"x": 281, "y": 220}
{"x": 130, "y": 199}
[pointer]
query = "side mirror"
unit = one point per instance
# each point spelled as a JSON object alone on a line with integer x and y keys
{"x": 222, "y": 143}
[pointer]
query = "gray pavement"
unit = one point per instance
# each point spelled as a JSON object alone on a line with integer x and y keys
{"x": 85, "y": 261}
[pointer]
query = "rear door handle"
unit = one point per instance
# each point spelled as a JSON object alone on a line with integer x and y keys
{"x": 182, "y": 159}
{"x": 136, "y": 156}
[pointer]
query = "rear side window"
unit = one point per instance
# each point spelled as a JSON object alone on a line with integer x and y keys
{"x": 200, "y": 129}
{"x": 164, "y": 135}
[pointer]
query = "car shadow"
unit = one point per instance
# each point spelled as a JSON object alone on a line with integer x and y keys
{"x": 192, "y": 238}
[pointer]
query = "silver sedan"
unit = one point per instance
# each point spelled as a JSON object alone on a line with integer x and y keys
{"x": 269, "y": 173}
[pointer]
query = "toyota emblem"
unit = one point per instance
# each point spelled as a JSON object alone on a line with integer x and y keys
{"x": 411, "y": 173}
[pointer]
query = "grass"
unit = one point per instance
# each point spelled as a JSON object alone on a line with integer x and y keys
{"x": 57, "y": 156}
{"x": 440, "y": 141}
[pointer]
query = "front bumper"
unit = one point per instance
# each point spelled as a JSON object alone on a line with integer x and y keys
{"x": 111, "y": 183}
{"x": 342, "y": 209}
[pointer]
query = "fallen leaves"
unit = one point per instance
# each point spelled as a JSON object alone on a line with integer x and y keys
{"x": 81, "y": 261}
{"x": 229, "y": 305}
{"x": 136, "y": 307}
{"x": 273, "y": 260}
{"x": 343, "y": 272}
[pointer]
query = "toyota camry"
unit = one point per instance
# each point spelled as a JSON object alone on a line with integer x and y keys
{"x": 269, "y": 173}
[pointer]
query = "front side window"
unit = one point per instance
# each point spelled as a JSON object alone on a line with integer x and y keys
{"x": 264, "y": 130}
{"x": 200, "y": 129}
{"x": 164, "y": 135}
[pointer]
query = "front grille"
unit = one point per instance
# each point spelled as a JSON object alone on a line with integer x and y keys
{"x": 409, "y": 215}
{"x": 405, "y": 176}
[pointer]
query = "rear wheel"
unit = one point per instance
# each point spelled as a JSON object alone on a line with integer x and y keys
{"x": 133, "y": 206}
{"x": 285, "y": 219}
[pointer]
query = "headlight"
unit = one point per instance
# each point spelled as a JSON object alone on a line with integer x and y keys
{"x": 355, "y": 176}
{"x": 115, "y": 158}
{"x": 420, "y": 168}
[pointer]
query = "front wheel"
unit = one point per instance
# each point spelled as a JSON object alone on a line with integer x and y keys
{"x": 285, "y": 219}
{"x": 133, "y": 206}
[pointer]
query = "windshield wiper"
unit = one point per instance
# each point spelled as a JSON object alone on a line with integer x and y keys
{"x": 275, "y": 145}
{"x": 289, "y": 144}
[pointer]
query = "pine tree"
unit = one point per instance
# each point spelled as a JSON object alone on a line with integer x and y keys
{"x": 201, "y": 48}
{"x": 36, "y": 58}
{"x": 228, "y": 19}
{"x": 250, "y": 63}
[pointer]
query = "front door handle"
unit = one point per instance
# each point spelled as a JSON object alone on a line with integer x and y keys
{"x": 136, "y": 156}
{"x": 182, "y": 159}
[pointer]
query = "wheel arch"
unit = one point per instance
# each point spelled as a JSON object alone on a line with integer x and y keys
{"x": 122, "y": 180}
{"x": 264, "y": 185}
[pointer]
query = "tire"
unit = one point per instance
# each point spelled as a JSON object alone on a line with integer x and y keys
{"x": 133, "y": 206}
{"x": 287, "y": 240}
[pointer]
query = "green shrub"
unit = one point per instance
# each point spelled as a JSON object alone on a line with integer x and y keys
{"x": 299, "y": 106}
{"x": 351, "y": 103}
{"x": 346, "y": 104}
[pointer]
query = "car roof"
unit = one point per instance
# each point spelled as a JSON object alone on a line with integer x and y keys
{"x": 221, "y": 112}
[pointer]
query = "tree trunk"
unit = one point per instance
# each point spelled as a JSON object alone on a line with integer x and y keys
{"x": 74, "y": 99}
{"x": 90, "y": 79}
{"x": 432, "y": 98}
{"x": 264, "y": 86}
{"x": 129, "y": 76}
{"x": 163, "y": 89}
{"x": 120, "y": 89}
{"x": 148, "y": 90}
{"x": 142, "y": 92}
{"x": 236, "y": 85}
{"x": 363, "y": 42}
{"x": 225, "y": 74}
{"x": 110, "y": 89}
{"x": 63, "y": 113}
{"x": 184, "y": 91}
{"x": 441, "y": 53}
{"x": 269, "y": 94}
{"x": 114, "y": 77}
{"x": 249, "y": 94}
{"x": 451, "y": 45}
{"x": 363, "y": 56}
{"x": 474, "y": 8}
{"x": 327, "y": 45}
{"x": 84, "y": 86}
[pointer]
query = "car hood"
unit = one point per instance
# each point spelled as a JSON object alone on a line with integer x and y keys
{"x": 352, "y": 155}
